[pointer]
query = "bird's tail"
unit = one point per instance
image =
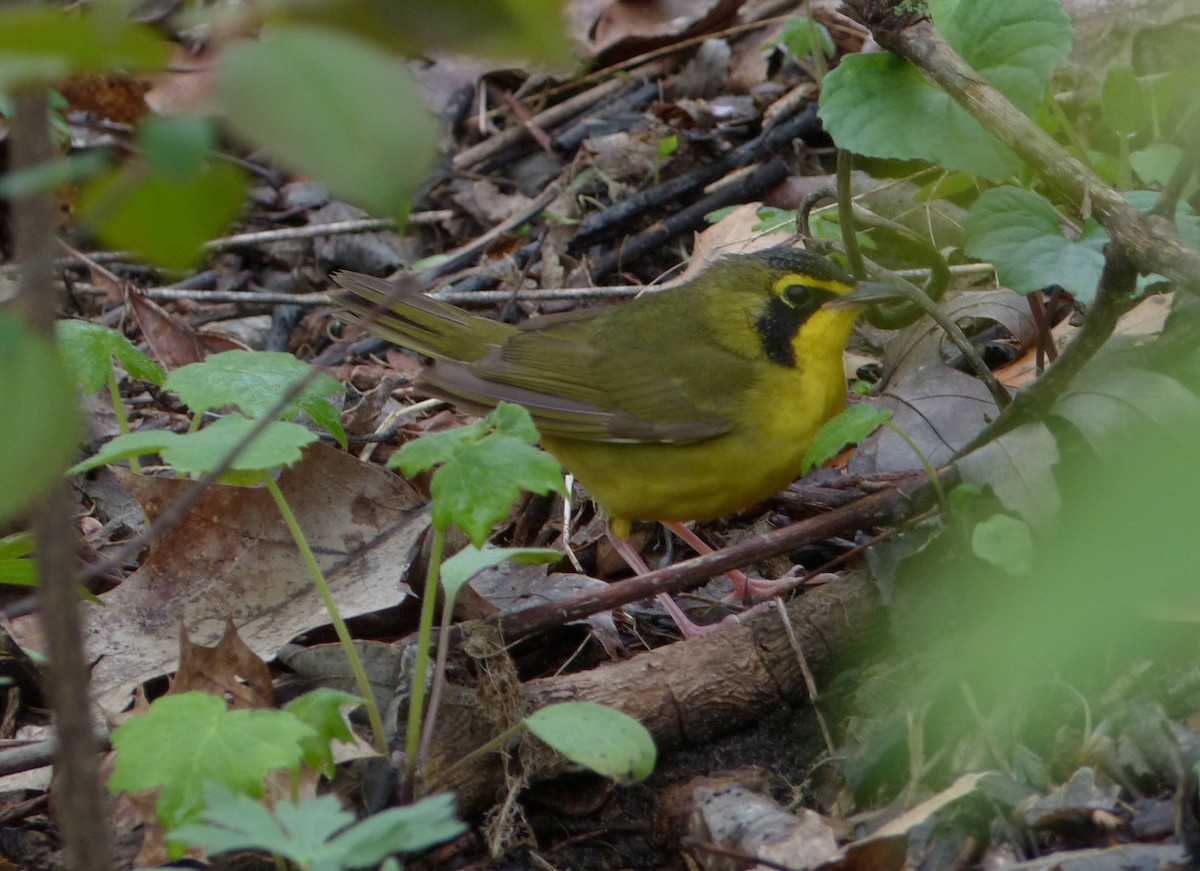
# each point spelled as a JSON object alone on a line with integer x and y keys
{"x": 413, "y": 320}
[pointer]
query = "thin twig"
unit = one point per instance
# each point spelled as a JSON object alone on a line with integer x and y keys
{"x": 79, "y": 809}
{"x": 334, "y": 228}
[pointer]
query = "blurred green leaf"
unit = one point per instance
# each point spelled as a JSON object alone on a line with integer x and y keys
{"x": 39, "y": 421}
{"x": 176, "y": 148}
{"x": 1155, "y": 163}
{"x": 40, "y": 43}
{"x": 335, "y": 108}
{"x": 161, "y": 218}
{"x": 531, "y": 30}
{"x": 1005, "y": 542}
{"x": 1126, "y": 108}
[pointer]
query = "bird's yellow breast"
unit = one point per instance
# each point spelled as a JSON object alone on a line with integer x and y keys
{"x": 775, "y": 420}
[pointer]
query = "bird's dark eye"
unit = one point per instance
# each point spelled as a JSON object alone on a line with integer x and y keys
{"x": 799, "y": 296}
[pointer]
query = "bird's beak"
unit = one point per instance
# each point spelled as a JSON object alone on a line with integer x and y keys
{"x": 867, "y": 293}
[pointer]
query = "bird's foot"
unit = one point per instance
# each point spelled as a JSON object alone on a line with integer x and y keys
{"x": 687, "y": 628}
{"x": 750, "y": 590}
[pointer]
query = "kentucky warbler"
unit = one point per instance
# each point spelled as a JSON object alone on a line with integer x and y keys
{"x": 683, "y": 404}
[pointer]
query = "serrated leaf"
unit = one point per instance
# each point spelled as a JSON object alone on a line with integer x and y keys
{"x": 279, "y": 444}
{"x": 39, "y": 421}
{"x": 417, "y": 827}
{"x": 162, "y": 218}
{"x": 470, "y": 561}
{"x": 186, "y": 740}
{"x": 234, "y": 821}
{"x": 484, "y": 468}
{"x": 598, "y": 737}
{"x": 253, "y": 381}
{"x": 1004, "y": 542}
{"x": 306, "y": 832}
{"x": 375, "y": 141}
{"x": 881, "y": 106}
{"x": 849, "y": 427}
{"x": 124, "y": 447}
{"x": 322, "y": 710}
{"x": 89, "y": 350}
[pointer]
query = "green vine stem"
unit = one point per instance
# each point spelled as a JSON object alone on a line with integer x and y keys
{"x": 114, "y": 391}
{"x": 416, "y": 698}
{"x": 335, "y": 617}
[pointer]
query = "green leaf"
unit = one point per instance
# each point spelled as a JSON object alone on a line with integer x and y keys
{"x": 39, "y": 421}
{"x": 849, "y": 427}
{"x": 89, "y": 349}
{"x": 527, "y": 29}
{"x": 164, "y": 219}
{"x": 1126, "y": 108}
{"x": 296, "y": 831}
{"x": 417, "y": 827}
{"x": 253, "y": 381}
{"x": 1108, "y": 404}
{"x": 1019, "y": 467}
{"x": 598, "y": 737}
{"x": 484, "y": 468}
{"x": 322, "y": 710}
{"x": 39, "y": 43}
{"x": 1155, "y": 163}
{"x": 186, "y": 740}
{"x": 278, "y": 445}
{"x": 304, "y": 832}
{"x": 16, "y": 567}
{"x": 470, "y": 561}
{"x": 176, "y": 148}
{"x": 1021, "y": 235}
{"x": 796, "y": 38}
{"x": 51, "y": 175}
{"x": 375, "y": 140}
{"x": 1004, "y": 542}
{"x": 881, "y": 106}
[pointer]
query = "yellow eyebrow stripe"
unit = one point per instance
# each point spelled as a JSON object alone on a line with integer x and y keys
{"x": 798, "y": 278}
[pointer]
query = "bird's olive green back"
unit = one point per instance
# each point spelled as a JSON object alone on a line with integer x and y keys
{"x": 665, "y": 367}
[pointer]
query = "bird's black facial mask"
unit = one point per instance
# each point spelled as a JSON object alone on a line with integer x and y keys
{"x": 786, "y": 312}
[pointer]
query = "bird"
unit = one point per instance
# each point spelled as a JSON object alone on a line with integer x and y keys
{"x": 683, "y": 404}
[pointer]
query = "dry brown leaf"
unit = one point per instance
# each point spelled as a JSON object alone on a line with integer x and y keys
{"x": 230, "y": 670}
{"x": 623, "y": 28}
{"x": 173, "y": 342}
{"x": 231, "y": 557}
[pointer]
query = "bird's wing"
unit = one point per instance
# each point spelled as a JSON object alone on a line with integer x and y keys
{"x": 576, "y": 386}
